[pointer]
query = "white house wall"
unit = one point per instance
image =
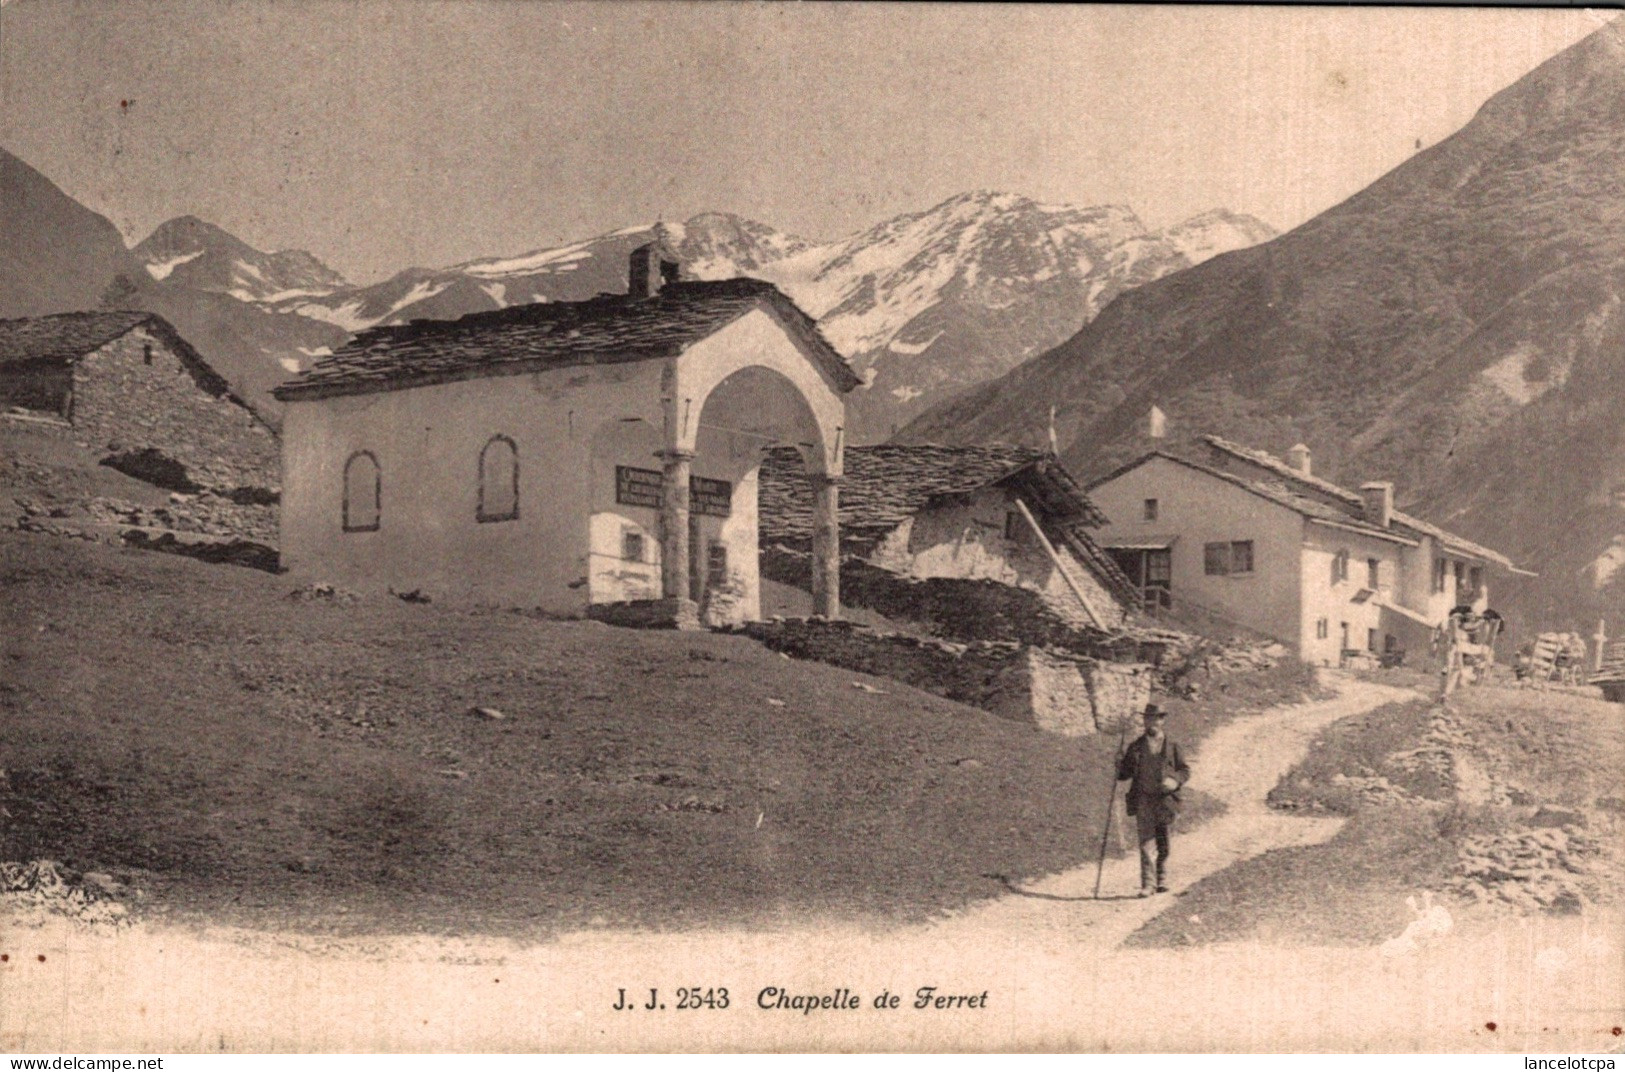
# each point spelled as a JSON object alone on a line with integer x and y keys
{"x": 427, "y": 441}
{"x": 1194, "y": 509}
{"x": 1334, "y": 601}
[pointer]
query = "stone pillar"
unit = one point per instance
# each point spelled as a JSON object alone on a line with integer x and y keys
{"x": 674, "y": 524}
{"x": 826, "y": 545}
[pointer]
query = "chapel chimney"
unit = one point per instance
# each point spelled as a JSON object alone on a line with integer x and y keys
{"x": 1298, "y": 458}
{"x": 652, "y": 267}
{"x": 1379, "y": 502}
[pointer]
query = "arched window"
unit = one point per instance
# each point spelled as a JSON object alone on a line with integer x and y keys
{"x": 499, "y": 480}
{"x": 363, "y": 491}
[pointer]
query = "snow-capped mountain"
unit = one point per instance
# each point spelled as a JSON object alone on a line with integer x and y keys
{"x": 925, "y": 304}
{"x": 194, "y": 253}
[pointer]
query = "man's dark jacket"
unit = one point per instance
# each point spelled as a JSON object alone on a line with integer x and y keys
{"x": 1144, "y": 769}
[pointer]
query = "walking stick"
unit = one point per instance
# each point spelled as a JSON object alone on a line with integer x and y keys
{"x": 1111, "y": 807}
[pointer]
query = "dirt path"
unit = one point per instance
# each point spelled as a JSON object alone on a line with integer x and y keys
{"x": 1239, "y": 764}
{"x": 1043, "y": 966}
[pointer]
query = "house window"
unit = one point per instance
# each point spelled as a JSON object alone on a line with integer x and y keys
{"x": 631, "y": 545}
{"x": 1373, "y": 573}
{"x": 1441, "y": 569}
{"x": 146, "y": 353}
{"x": 1221, "y": 559}
{"x": 1340, "y": 568}
{"x": 499, "y": 481}
{"x": 1370, "y": 640}
{"x": 1241, "y": 556}
{"x": 1461, "y": 577}
{"x": 1323, "y": 629}
{"x": 1151, "y": 509}
{"x": 1012, "y": 527}
{"x": 363, "y": 492}
{"x": 1475, "y": 579}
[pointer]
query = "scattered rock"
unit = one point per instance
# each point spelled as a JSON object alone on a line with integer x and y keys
{"x": 488, "y": 712}
{"x": 321, "y": 592}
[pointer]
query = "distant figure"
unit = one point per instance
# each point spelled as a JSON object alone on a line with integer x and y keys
{"x": 1155, "y": 771}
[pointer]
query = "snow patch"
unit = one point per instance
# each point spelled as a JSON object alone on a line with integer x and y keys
{"x": 420, "y": 291}
{"x": 497, "y": 292}
{"x": 289, "y": 364}
{"x": 346, "y": 316}
{"x": 910, "y": 349}
{"x": 249, "y": 269}
{"x": 906, "y": 393}
{"x": 1511, "y": 375}
{"x": 548, "y": 259}
{"x": 161, "y": 269}
{"x": 319, "y": 351}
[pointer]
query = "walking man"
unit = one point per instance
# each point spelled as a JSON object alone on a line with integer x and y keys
{"x": 1155, "y": 771}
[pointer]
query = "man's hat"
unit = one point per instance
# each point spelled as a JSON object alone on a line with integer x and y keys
{"x": 1153, "y": 711}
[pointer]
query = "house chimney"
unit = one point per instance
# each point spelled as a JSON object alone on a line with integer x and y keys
{"x": 1156, "y": 423}
{"x": 652, "y": 267}
{"x": 1379, "y": 502}
{"x": 1298, "y": 458}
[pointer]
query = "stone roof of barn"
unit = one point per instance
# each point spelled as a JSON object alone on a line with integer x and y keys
{"x": 608, "y": 329}
{"x": 64, "y": 336}
{"x": 882, "y": 486}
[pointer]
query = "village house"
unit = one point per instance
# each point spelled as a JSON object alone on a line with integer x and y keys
{"x": 596, "y": 457}
{"x": 1011, "y": 515}
{"x": 1266, "y": 544}
{"x": 128, "y": 386}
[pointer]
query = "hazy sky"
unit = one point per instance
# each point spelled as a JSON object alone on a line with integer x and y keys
{"x": 381, "y": 134}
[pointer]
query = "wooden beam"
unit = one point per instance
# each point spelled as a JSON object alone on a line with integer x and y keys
{"x": 1049, "y": 549}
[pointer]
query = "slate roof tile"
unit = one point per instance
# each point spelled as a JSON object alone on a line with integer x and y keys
{"x": 608, "y": 329}
{"x": 64, "y": 336}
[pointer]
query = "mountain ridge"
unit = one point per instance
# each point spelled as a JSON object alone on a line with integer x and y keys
{"x": 1454, "y": 326}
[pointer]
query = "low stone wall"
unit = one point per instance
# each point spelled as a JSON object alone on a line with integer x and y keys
{"x": 1055, "y": 690}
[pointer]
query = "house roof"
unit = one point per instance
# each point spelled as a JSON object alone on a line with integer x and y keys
{"x": 64, "y": 336}
{"x": 884, "y": 485}
{"x": 608, "y": 329}
{"x": 1452, "y": 542}
{"x": 1275, "y": 491}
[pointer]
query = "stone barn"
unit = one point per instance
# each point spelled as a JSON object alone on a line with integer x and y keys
{"x": 586, "y": 458}
{"x": 1009, "y": 515}
{"x": 131, "y": 388}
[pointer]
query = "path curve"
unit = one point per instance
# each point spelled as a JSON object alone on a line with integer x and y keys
{"x": 1238, "y": 764}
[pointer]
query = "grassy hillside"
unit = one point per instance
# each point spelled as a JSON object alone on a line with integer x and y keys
{"x": 247, "y": 756}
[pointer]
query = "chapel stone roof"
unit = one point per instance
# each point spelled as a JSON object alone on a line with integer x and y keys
{"x": 608, "y": 329}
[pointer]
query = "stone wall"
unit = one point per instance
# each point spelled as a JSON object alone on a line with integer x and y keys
{"x": 1057, "y": 691}
{"x": 136, "y": 393}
